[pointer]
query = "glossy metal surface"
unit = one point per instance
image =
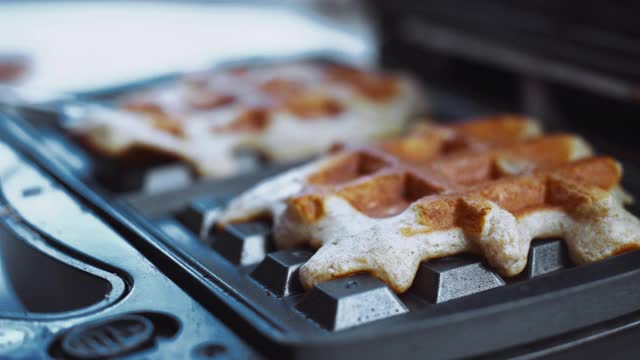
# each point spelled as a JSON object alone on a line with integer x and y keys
{"x": 56, "y": 228}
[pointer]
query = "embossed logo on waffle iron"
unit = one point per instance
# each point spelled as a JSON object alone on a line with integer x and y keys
{"x": 281, "y": 111}
{"x": 489, "y": 187}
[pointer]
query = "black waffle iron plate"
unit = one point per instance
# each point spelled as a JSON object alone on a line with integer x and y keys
{"x": 457, "y": 307}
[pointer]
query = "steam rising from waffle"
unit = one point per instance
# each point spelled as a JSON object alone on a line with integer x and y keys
{"x": 489, "y": 187}
{"x": 283, "y": 111}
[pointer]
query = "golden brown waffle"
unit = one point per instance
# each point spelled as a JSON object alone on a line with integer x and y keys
{"x": 424, "y": 143}
{"x": 485, "y": 187}
{"x": 282, "y": 111}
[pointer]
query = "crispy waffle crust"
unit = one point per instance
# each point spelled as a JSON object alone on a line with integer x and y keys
{"x": 282, "y": 111}
{"x": 488, "y": 186}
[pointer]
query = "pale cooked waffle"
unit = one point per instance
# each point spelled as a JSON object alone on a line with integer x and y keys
{"x": 486, "y": 188}
{"x": 283, "y": 111}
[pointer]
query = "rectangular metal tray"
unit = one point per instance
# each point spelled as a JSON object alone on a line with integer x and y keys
{"x": 552, "y": 307}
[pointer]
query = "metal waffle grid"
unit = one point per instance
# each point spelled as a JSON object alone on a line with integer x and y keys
{"x": 346, "y": 302}
{"x": 241, "y": 266}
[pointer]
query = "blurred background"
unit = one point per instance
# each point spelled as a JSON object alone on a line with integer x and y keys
{"x": 573, "y": 64}
{"x": 86, "y": 45}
